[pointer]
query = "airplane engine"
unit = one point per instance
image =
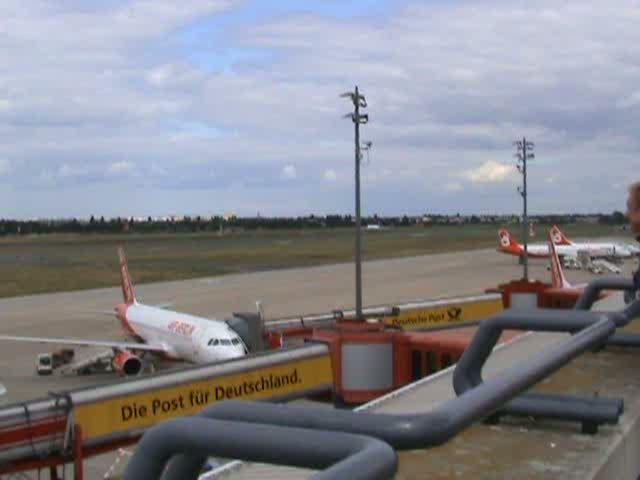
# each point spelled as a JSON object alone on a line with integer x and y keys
{"x": 126, "y": 363}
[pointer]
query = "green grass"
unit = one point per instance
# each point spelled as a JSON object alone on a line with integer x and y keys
{"x": 73, "y": 262}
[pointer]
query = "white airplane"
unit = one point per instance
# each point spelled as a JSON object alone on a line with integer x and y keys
{"x": 508, "y": 245}
{"x": 172, "y": 335}
{"x": 613, "y": 249}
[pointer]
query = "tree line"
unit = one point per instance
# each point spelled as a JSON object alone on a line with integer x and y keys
{"x": 190, "y": 224}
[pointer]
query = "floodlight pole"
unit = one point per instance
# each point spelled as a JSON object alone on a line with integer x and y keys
{"x": 358, "y": 102}
{"x": 358, "y": 222}
{"x": 522, "y": 155}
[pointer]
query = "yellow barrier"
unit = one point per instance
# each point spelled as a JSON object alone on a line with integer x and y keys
{"x": 445, "y": 315}
{"x": 142, "y": 410}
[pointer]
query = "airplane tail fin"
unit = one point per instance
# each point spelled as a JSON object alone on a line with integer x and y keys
{"x": 558, "y": 279}
{"x": 558, "y": 237}
{"x": 127, "y": 286}
{"x": 507, "y": 243}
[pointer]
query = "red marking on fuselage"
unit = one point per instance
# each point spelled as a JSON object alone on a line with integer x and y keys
{"x": 127, "y": 287}
{"x": 508, "y": 245}
{"x": 181, "y": 328}
{"x": 121, "y": 315}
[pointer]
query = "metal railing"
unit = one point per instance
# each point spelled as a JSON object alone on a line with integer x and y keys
{"x": 29, "y": 415}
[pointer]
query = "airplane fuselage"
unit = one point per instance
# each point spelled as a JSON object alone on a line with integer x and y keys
{"x": 185, "y": 337}
{"x": 538, "y": 250}
{"x": 594, "y": 250}
{"x": 603, "y": 249}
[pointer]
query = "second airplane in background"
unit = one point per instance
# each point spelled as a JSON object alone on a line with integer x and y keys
{"x": 618, "y": 249}
{"x": 172, "y": 335}
{"x": 508, "y": 245}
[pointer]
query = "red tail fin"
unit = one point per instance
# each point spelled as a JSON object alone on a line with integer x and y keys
{"x": 558, "y": 279}
{"x": 127, "y": 287}
{"x": 507, "y": 243}
{"x": 558, "y": 237}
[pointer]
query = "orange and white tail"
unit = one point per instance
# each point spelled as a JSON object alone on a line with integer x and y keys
{"x": 558, "y": 279}
{"x": 127, "y": 286}
{"x": 507, "y": 243}
{"x": 558, "y": 237}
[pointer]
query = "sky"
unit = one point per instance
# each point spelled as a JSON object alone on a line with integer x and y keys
{"x": 205, "y": 107}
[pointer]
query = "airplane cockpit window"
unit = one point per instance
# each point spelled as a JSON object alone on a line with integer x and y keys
{"x": 213, "y": 342}
{"x": 225, "y": 341}
{"x": 235, "y": 341}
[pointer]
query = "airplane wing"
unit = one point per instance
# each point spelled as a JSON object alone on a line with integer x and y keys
{"x": 163, "y": 305}
{"x": 88, "y": 343}
{"x": 108, "y": 313}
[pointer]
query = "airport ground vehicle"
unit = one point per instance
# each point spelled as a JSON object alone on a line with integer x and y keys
{"x": 62, "y": 357}
{"x": 44, "y": 364}
{"x": 47, "y": 362}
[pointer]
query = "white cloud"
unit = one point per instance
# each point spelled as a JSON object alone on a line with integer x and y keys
{"x": 289, "y": 172}
{"x": 158, "y": 170}
{"x": 330, "y": 175}
{"x": 174, "y": 76}
{"x": 67, "y": 171}
{"x": 45, "y": 178}
{"x": 121, "y": 168}
{"x": 166, "y": 84}
{"x": 490, "y": 172}
{"x": 452, "y": 187}
{"x": 5, "y": 167}
{"x": 159, "y": 75}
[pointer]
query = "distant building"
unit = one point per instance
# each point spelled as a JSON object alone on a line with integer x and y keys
{"x": 590, "y": 219}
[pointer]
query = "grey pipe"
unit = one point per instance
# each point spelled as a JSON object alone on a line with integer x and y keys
{"x": 412, "y": 431}
{"x": 590, "y": 295}
{"x": 624, "y": 339}
{"x": 594, "y": 288}
{"x": 343, "y": 455}
{"x": 468, "y": 372}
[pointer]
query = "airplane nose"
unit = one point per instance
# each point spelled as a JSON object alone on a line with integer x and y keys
{"x": 231, "y": 353}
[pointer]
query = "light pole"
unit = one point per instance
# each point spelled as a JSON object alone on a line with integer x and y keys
{"x": 523, "y": 149}
{"x": 358, "y": 119}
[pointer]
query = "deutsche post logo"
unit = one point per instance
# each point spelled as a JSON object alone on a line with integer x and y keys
{"x": 454, "y": 313}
